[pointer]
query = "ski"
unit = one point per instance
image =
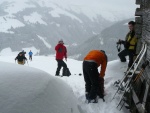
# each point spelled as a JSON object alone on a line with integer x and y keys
{"x": 138, "y": 58}
{"x": 135, "y": 61}
{"x": 130, "y": 80}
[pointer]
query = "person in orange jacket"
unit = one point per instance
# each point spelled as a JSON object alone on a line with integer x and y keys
{"x": 92, "y": 77}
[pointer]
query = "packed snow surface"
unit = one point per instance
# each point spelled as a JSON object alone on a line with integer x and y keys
{"x": 29, "y": 90}
{"x": 21, "y": 85}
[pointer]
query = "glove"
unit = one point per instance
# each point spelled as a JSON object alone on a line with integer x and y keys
{"x": 119, "y": 41}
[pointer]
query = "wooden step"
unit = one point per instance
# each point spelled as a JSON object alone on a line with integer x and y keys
{"x": 138, "y": 12}
{"x": 138, "y": 2}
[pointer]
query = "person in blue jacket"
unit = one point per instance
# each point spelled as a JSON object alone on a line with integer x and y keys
{"x": 30, "y": 55}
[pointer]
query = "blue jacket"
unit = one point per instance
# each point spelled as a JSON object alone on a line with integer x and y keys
{"x": 30, "y": 53}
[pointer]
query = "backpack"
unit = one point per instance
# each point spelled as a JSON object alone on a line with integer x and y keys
{"x": 66, "y": 72}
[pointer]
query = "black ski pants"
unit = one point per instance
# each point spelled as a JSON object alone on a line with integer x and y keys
{"x": 91, "y": 77}
{"x": 61, "y": 64}
{"x": 30, "y": 57}
{"x": 122, "y": 55}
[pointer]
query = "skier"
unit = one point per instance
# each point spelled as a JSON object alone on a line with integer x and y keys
{"x": 129, "y": 44}
{"x": 61, "y": 53}
{"x": 30, "y": 55}
{"x": 94, "y": 81}
{"x": 23, "y": 52}
{"x": 21, "y": 58}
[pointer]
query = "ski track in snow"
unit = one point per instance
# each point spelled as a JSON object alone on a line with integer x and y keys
{"x": 115, "y": 70}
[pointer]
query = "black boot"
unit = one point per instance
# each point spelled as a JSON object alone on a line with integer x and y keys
{"x": 57, "y": 73}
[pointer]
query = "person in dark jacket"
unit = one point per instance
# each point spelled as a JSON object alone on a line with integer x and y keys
{"x": 23, "y": 52}
{"x": 129, "y": 43}
{"x": 94, "y": 81}
{"x": 21, "y": 58}
{"x": 61, "y": 53}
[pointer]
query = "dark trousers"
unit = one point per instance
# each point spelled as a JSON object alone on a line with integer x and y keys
{"x": 30, "y": 57}
{"x": 61, "y": 64}
{"x": 125, "y": 53}
{"x": 91, "y": 77}
{"x": 101, "y": 87}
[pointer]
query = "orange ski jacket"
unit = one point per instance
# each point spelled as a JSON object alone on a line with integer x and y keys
{"x": 98, "y": 57}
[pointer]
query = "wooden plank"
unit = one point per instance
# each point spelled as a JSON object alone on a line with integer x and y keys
{"x": 139, "y": 106}
{"x": 138, "y": 2}
{"x": 138, "y": 12}
{"x": 138, "y": 20}
{"x": 145, "y": 94}
{"x": 138, "y": 29}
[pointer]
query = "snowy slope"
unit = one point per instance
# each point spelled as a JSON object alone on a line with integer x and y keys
{"x": 115, "y": 71}
{"x": 104, "y": 41}
{"x": 28, "y": 90}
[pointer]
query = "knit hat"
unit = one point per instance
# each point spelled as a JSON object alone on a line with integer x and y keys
{"x": 61, "y": 41}
{"x": 102, "y": 51}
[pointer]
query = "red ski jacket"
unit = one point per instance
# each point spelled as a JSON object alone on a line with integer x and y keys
{"x": 61, "y": 52}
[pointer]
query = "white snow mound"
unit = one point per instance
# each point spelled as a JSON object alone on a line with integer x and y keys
{"x": 29, "y": 90}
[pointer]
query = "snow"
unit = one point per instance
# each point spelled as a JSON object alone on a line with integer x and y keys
{"x": 101, "y": 41}
{"x": 15, "y": 6}
{"x": 74, "y": 44}
{"x": 109, "y": 9}
{"x": 33, "y": 49}
{"x": 115, "y": 70}
{"x": 57, "y": 12}
{"x": 7, "y": 23}
{"x": 34, "y": 18}
{"x": 8, "y": 51}
{"x": 58, "y": 25}
{"x": 44, "y": 41}
{"x": 28, "y": 90}
{"x": 9, "y": 20}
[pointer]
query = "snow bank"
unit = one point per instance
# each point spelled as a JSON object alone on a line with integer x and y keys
{"x": 115, "y": 70}
{"x": 28, "y": 90}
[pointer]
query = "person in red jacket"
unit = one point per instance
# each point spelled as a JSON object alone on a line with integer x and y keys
{"x": 94, "y": 81}
{"x": 61, "y": 53}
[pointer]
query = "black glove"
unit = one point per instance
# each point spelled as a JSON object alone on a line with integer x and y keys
{"x": 119, "y": 41}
